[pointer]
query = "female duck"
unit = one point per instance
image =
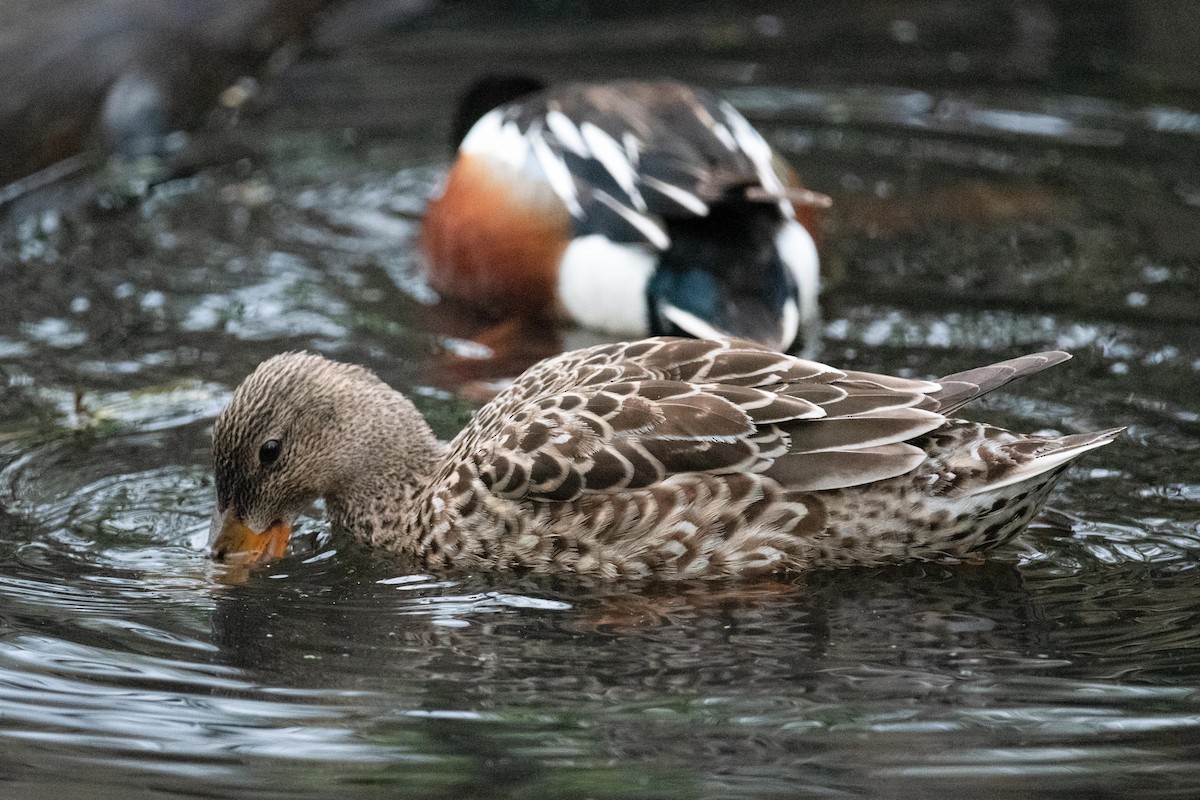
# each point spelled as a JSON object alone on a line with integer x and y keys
{"x": 675, "y": 458}
{"x": 631, "y": 208}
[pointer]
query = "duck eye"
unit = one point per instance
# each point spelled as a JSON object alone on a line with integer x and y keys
{"x": 268, "y": 454}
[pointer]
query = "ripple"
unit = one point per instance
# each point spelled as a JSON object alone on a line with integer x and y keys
{"x": 452, "y": 610}
{"x": 157, "y": 408}
{"x": 284, "y": 304}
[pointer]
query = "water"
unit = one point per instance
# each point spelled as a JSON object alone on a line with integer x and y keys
{"x": 1068, "y": 665}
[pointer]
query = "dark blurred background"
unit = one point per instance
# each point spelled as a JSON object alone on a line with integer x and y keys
{"x": 62, "y": 60}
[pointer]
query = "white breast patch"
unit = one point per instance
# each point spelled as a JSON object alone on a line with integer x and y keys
{"x": 602, "y": 284}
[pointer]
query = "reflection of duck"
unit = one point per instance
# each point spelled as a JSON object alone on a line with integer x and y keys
{"x": 632, "y": 208}
{"x": 673, "y": 457}
{"x": 720, "y": 679}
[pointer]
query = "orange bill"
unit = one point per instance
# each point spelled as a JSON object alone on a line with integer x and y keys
{"x": 236, "y": 543}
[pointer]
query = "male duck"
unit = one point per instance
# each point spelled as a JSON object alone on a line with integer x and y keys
{"x": 674, "y": 458}
{"x": 631, "y": 208}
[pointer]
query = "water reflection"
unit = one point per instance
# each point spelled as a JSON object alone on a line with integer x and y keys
{"x": 746, "y": 678}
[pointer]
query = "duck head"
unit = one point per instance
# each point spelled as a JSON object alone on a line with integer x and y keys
{"x": 299, "y": 428}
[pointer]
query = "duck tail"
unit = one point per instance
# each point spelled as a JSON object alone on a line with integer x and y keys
{"x": 1048, "y": 455}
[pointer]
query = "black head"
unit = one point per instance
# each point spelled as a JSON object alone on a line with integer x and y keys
{"x": 490, "y": 91}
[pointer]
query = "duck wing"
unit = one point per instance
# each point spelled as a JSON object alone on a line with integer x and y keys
{"x": 628, "y": 416}
{"x": 624, "y": 156}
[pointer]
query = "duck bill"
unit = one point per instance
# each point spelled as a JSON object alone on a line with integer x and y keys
{"x": 234, "y": 542}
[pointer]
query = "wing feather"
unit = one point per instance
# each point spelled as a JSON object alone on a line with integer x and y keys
{"x": 854, "y": 433}
{"x": 838, "y": 469}
{"x": 637, "y": 153}
{"x": 963, "y": 387}
{"x": 626, "y": 416}
{"x": 871, "y": 401}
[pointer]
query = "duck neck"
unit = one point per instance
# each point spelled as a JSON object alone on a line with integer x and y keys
{"x": 380, "y": 500}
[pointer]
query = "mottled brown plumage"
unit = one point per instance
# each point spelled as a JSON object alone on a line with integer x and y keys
{"x": 667, "y": 457}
